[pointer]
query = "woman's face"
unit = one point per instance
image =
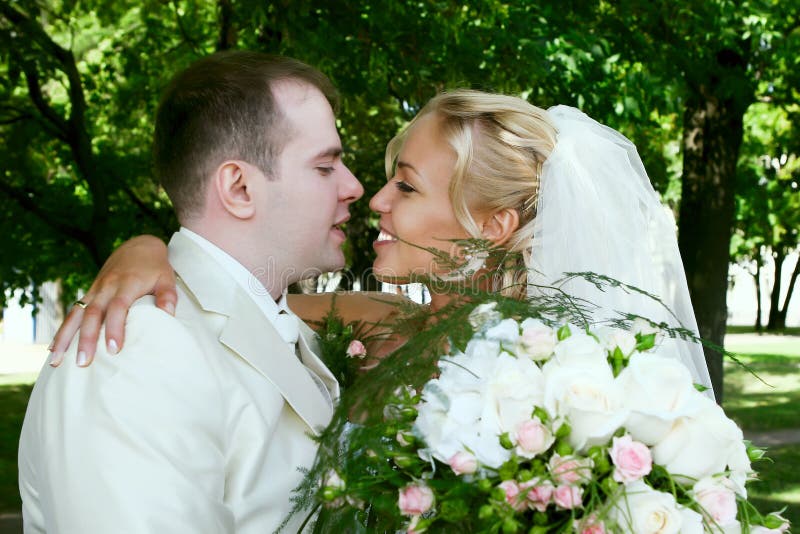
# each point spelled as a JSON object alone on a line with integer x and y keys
{"x": 414, "y": 206}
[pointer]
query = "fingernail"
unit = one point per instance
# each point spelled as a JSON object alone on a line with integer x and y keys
{"x": 112, "y": 347}
{"x": 170, "y": 308}
{"x": 55, "y": 358}
{"x": 82, "y": 360}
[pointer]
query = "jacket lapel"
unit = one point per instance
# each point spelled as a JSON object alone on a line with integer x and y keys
{"x": 309, "y": 350}
{"x": 248, "y": 333}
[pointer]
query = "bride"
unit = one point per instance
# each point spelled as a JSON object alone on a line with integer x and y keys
{"x": 557, "y": 191}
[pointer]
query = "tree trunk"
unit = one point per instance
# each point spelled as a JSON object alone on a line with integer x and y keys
{"x": 758, "y": 325}
{"x": 780, "y": 321}
{"x": 227, "y": 31}
{"x": 712, "y": 137}
{"x": 775, "y": 295}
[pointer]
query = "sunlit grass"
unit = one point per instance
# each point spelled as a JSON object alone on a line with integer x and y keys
{"x": 779, "y": 486}
{"x": 771, "y": 403}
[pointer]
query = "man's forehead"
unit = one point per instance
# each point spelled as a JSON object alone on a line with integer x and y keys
{"x": 290, "y": 93}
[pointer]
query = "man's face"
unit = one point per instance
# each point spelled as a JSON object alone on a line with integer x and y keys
{"x": 308, "y": 197}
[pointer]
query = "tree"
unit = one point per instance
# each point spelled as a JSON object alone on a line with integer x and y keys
{"x": 721, "y": 56}
{"x": 768, "y": 208}
{"x": 81, "y": 82}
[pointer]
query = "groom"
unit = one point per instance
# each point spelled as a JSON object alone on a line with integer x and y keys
{"x": 204, "y": 426}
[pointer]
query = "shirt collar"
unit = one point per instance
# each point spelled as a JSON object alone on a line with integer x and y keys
{"x": 249, "y": 283}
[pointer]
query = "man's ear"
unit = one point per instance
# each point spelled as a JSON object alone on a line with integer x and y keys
{"x": 500, "y": 226}
{"x": 233, "y": 183}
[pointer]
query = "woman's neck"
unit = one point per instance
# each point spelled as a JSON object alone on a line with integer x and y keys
{"x": 440, "y": 300}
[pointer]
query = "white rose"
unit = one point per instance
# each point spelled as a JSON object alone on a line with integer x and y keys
{"x": 514, "y": 387}
{"x": 659, "y": 390}
{"x": 700, "y": 445}
{"x": 612, "y": 338}
{"x": 484, "y": 315}
{"x": 478, "y": 396}
{"x": 537, "y": 340}
{"x": 590, "y": 401}
{"x": 581, "y": 351}
{"x": 643, "y": 510}
{"x": 506, "y": 332}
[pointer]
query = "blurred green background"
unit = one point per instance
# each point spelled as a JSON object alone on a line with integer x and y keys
{"x": 708, "y": 91}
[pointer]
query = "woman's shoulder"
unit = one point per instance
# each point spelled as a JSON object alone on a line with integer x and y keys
{"x": 368, "y": 306}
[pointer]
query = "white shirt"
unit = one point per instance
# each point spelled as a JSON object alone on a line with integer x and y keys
{"x": 278, "y": 313}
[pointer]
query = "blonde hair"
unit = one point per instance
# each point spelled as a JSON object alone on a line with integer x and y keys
{"x": 501, "y": 143}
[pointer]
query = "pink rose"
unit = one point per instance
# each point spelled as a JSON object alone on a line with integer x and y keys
{"x": 568, "y": 497}
{"x": 537, "y": 340}
{"x": 716, "y": 496}
{"x": 590, "y": 525}
{"x": 570, "y": 469}
{"x": 512, "y": 491}
{"x": 632, "y": 459}
{"x": 463, "y": 463}
{"x": 533, "y": 438}
{"x": 415, "y": 500}
{"x": 540, "y": 493}
{"x": 357, "y": 350}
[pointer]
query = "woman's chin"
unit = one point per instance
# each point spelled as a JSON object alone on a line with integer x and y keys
{"x": 387, "y": 275}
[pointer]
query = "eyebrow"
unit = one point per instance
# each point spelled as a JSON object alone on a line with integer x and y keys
{"x": 332, "y": 152}
{"x": 406, "y": 165}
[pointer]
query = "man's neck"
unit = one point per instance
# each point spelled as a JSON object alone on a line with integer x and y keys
{"x": 236, "y": 249}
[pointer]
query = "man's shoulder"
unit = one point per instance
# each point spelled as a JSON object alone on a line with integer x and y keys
{"x": 151, "y": 332}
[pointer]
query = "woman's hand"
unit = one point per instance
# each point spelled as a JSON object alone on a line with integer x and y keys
{"x": 138, "y": 267}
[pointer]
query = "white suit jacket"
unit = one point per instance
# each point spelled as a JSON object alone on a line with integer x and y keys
{"x": 198, "y": 425}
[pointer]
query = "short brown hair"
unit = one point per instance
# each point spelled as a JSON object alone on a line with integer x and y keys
{"x": 221, "y": 107}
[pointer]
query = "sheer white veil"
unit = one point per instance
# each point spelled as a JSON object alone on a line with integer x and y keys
{"x": 598, "y": 212}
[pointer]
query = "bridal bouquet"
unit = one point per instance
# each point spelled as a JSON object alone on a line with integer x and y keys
{"x": 532, "y": 426}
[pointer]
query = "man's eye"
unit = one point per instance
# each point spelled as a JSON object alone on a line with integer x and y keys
{"x": 325, "y": 171}
{"x": 403, "y": 187}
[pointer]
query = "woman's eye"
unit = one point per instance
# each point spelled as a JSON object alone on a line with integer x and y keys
{"x": 403, "y": 187}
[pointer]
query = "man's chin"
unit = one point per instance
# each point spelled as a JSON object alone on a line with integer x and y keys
{"x": 332, "y": 264}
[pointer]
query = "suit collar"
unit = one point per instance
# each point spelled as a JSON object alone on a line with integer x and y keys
{"x": 249, "y": 334}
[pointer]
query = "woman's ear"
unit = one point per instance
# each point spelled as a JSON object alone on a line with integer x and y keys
{"x": 500, "y": 226}
{"x": 233, "y": 183}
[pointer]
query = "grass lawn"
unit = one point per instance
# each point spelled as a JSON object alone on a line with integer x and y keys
{"x": 779, "y": 486}
{"x": 13, "y": 399}
{"x": 769, "y": 402}
{"x": 772, "y": 403}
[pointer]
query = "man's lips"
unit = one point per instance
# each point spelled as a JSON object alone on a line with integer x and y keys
{"x": 336, "y": 228}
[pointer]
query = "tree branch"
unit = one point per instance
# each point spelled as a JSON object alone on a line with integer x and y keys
{"x": 57, "y": 125}
{"x": 18, "y": 118}
{"x": 186, "y": 37}
{"x": 75, "y": 133}
{"x": 28, "y": 203}
{"x": 147, "y": 210}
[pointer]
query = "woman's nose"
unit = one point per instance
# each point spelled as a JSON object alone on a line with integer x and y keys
{"x": 381, "y": 201}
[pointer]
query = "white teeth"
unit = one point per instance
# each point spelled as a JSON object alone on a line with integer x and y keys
{"x": 384, "y": 236}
